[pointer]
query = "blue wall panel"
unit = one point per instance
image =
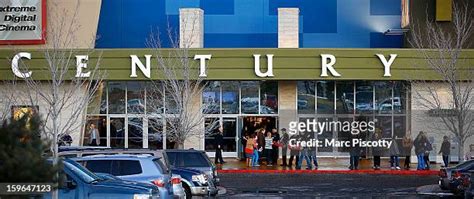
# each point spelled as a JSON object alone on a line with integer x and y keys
{"x": 252, "y": 23}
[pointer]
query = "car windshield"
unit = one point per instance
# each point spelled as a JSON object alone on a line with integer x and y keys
{"x": 81, "y": 172}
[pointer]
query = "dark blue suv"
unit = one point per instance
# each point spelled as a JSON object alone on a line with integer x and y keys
{"x": 78, "y": 182}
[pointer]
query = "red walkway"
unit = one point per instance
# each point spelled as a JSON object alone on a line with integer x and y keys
{"x": 326, "y": 166}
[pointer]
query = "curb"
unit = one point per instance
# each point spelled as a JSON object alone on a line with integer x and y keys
{"x": 384, "y": 172}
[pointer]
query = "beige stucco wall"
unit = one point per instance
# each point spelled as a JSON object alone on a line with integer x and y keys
{"x": 20, "y": 96}
{"x": 420, "y": 121}
{"x": 84, "y": 14}
{"x": 287, "y": 103}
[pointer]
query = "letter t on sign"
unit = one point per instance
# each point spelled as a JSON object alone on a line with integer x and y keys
{"x": 387, "y": 64}
{"x": 202, "y": 64}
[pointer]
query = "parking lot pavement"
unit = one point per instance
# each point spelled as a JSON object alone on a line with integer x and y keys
{"x": 433, "y": 190}
{"x": 309, "y": 185}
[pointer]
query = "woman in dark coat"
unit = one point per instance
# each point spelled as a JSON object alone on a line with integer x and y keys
{"x": 419, "y": 145}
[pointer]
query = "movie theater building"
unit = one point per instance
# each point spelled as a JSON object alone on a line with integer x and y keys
{"x": 271, "y": 62}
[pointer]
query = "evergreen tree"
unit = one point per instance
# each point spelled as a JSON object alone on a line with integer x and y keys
{"x": 22, "y": 152}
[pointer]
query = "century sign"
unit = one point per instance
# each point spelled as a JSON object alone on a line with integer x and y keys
{"x": 327, "y": 65}
{"x": 22, "y": 22}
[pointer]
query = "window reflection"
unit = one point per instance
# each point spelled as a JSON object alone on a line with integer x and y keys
{"x": 345, "y": 97}
{"x": 98, "y": 104}
{"x": 384, "y": 125}
{"x": 306, "y": 99}
{"x": 230, "y": 97}
{"x": 135, "y": 97}
{"x": 325, "y": 135}
{"x": 249, "y": 98}
{"x": 154, "y": 98}
{"x": 210, "y": 125}
{"x": 364, "y": 97}
{"x": 170, "y": 103}
{"x": 117, "y": 132}
{"x": 364, "y": 100}
{"x": 383, "y": 97}
{"x": 344, "y": 134}
{"x": 269, "y": 97}
{"x": 325, "y": 97}
{"x": 211, "y": 98}
{"x": 399, "y": 126}
{"x": 155, "y": 133}
{"x": 116, "y": 97}
{"x": 135, "y": 133}
{"x": 399, "y": 99}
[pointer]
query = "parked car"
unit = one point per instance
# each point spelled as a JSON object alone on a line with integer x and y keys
{"x": 142, "y": 168}
{"x": 193, "y": 159}
{"x": 193, "y": 181}
{"x": 78, "y": 183}
{"x": 469, "y": 192}
{"x": 448, "y": 175}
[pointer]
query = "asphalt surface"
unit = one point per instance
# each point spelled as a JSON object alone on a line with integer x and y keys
{"x": 261, "y": 185}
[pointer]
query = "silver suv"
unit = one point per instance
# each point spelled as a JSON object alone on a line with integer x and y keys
{"x": 142, "y": 168}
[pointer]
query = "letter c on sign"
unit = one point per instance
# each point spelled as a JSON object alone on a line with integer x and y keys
{"x": 15, "y": 68}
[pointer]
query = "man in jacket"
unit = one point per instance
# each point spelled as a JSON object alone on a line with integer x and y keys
{"x": 407, "y": 144}
{"x": 284, "y": 146}
{"x": 445, "y": 150}
{"x": 275, "y": 146}
{"x": 94, "y": 136}
{"x": 219, "y": 139}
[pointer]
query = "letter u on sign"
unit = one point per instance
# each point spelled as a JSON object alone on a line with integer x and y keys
{"x": 258, "y": 72}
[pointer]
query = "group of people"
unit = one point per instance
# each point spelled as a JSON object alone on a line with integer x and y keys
{"x": 267, "y": 144}
{"x": 262, "y": 143}
{"x": 422, "y": 145}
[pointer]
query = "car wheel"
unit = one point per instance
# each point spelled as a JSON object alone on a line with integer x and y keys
{"x": 187, "y": 191}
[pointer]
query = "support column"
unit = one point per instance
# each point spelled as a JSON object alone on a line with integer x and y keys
{"x": 288, "y": 27}
{"x": 191, "y": 28}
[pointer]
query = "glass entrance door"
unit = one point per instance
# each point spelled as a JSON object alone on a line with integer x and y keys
{"x": 230, "y": 137}
{"x": 229, "y": 146}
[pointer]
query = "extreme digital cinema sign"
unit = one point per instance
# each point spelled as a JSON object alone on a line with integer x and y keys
{"x": 22, "y": 22}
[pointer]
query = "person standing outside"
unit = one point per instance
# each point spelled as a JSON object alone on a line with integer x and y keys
{"x": 261, "y": 133}
{"x": 255, "y": 151}
{"x": 249, "y": 149}
{"x": 428, "y": 149}
{"x": 244, "y": 135}
{"x": 304, "y": 155}
{"x": 377, "y": 152}
{"x": 94, "y": 136}
{"x": 419, "y": 145}
{"x": 268, "y": 148}
{"x": 354, "y": 155}
{"x": 445, "y": 150}
{"x": 394, "y": 153}
{"x": 219, "y": 139}
{"x": 294, "y": 152}
{"x": 407, "y": 144}
{"x": 276, "y": 145}
{"x": 285, "y": 138}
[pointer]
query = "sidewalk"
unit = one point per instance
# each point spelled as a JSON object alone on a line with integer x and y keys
{"x": 326, "y": 165}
